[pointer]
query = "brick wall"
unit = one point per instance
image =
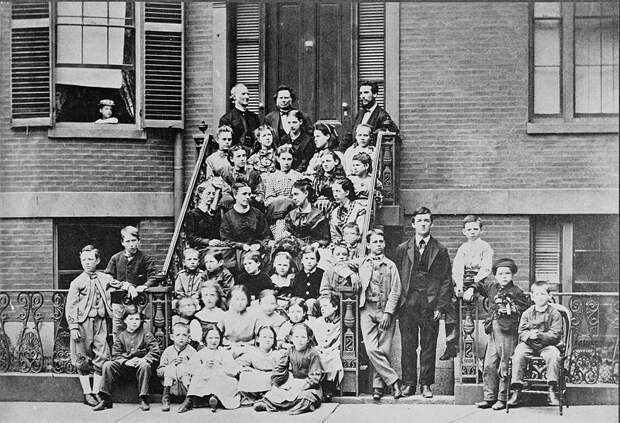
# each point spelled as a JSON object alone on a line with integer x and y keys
{"x": 509, "y": 236}
{"x": 30, "y": 161}
{"x": 198, "y": 80}
{"x": 155, "y": 238}
{"x": 464, "y": 106}
{"x": 26, "y": 254}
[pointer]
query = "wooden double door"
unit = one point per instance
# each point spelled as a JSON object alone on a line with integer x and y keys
{"x": 309, "y": 47}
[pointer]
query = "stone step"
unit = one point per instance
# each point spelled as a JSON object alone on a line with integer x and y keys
{"x": 388, "y": 399}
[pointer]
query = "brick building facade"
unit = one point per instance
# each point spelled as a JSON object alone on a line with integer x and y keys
{"x": 458, "y": 81}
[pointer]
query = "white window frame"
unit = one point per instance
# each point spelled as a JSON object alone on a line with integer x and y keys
{"x": 567, "y": 122}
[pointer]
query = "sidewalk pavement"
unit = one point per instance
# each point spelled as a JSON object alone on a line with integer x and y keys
{"x": 55, "y": 412}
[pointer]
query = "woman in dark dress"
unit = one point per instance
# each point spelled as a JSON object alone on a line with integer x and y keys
{"x": 306, "y": 222}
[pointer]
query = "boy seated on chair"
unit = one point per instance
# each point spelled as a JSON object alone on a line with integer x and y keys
{"x": 540, "y": 331}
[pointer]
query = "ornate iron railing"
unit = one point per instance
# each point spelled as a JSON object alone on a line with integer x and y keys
{"x": 34, "y": 334}
{"x": 594, "y": 324}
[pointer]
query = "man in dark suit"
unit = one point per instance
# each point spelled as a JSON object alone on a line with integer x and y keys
{"x": 425, "y": 272}
{"x": 277, "y": 119}
{"x": 242, "y": 121}
{"x": 284, "y": 98}
{"x": 370, "y": 113}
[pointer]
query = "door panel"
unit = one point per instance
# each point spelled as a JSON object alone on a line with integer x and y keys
{"x": 308, "y": 47}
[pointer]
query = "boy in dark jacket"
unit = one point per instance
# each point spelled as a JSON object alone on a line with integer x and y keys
{"x": 134, "y": 352}
{"x": 507, "y": 302}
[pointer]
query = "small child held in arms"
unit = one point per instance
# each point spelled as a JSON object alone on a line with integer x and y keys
{"x": 361, "y": 145}
{"x": 88, "y": 305}
{"x": 209, "y": 315}
{"x": 188, "y": 280}
{"x": 213, "y": 373}
{"x": 296, "y": 379}
{"x": 327, "y": 334}
{"x": 540, "y": 331}
{"x": 134, "y": 352}
{"x": 297, "y": 312}
{"x": 507, "y": 302}
{"x": 173, "y": 366}
{"x": 283, "y": 273}
{"x": 257, "y": 364}
{"x": 253, "y": 278}
{"x": 266, "y": 310}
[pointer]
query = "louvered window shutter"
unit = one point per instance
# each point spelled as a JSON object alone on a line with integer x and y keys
{"x": 247, "y": 54}
{"x": 371, "y": 47}
{"x": 547, "y": 249}
{"x": 30, "y": 64}
{"x": 163, "y": 64}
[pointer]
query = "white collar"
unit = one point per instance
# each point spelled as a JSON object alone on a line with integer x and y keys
{"x": 418, "y": 238}
{"x": 372, "y": 109}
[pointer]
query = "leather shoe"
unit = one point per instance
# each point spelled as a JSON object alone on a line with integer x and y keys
{"x": 396, "y": 391}
{"x": 259, "y": 406}
{"x": 427, "y": 392}
{"x": 90, "y": 400}
{"x": 187, "y": 405}
{"x": 103, "y": 404}
{"x": 484, "y": 404}
{"x": 144, "y": 406}
{"x": 408, "y": 390}
{"x": 213, "y": 402}
{"x": 377, "y": 394}
{"x": 449, "y": 353}
{"x": 552, "y": 398}
{"x": 515, "y": 398}
{"x": 499, "y": 405}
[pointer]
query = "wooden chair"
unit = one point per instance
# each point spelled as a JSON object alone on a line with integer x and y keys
{"x": 536, "y": 370}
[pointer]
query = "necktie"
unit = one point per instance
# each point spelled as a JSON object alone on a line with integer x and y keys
{"x": 421, "y": 246}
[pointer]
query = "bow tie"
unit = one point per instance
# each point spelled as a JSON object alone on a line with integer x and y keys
{"x": 377, "y": 258}
{"x": 93, "y": 275}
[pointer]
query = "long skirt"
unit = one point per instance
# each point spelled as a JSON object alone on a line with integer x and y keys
{"x": 215, "y": 382}
{"x": 291, "y": 397}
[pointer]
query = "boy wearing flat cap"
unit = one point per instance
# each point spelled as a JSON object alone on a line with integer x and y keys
{"x": 507, "y": 302}
{"x": 105, "y": 109}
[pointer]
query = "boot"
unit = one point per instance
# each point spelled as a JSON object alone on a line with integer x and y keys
{"x": 165, "y": 399}
{"x": 187, "y": 405}
{"x": 213, "y": 403}
{"x": 106, "y": 402}
{"x": 144, "y": 403}
{"x": 377, "y": 394}
{"x": 449, "y": 353}
{"x": 427, "y": 392}
{"x": 515, "y": 398}
{"x": 328, "y": 390}
{"x": 484, "y": 404}
{"x": 552, "y": 398}
{"x": 499, "y": 405}
{"x": 396, "y": 391}
{"x": 90, "y": 400}
{"x": 408, "y": 390}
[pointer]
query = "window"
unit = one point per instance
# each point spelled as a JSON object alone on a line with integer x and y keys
{"x": 68, "y": 56}
{"x": 95, "y": 60}
{"x": 71, "y": 235}
{"x": 578, "y": 252}
{"x": 574, "y": 67}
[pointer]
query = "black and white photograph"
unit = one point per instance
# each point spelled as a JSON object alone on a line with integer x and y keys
{"x": 309, "y": 211}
